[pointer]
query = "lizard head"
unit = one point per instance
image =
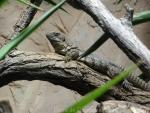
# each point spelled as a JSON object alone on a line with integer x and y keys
{"x": 58, "y": 41}
{"x": 54, "y": 37}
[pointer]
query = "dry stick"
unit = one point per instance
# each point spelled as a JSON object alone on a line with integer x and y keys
{"x": 121, "y": 34}
{"x": 26, "y": 17}
{"x": 73, "y": 74}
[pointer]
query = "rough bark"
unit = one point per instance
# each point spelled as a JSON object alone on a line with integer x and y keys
{"x": 121, "y": 106}
{"x": 52, "y": 67}
{"x": 120, "y": 32}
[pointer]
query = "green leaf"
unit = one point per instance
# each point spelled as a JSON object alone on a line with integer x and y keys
{"x": 141, "y": 17}
{"x": 27, "y": 2}
{"x": 99, "y": 92}
{"x": 21, "y": 36}
{"x": 54, "y": 3}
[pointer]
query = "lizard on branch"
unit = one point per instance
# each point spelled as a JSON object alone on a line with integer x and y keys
{"x": 65, "y": 47}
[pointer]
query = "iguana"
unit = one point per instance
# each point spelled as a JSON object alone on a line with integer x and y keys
{"x": 65, "y": 47}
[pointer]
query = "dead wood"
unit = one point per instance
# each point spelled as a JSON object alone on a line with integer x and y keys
{"x": 52, "y": 67}
{"x": 25, "y": 17}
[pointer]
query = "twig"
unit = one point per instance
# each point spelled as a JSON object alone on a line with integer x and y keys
{"x": 26, "y": 17}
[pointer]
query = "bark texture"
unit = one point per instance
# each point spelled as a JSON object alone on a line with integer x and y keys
{"x": 75, "y": 75}
{"x": 121, "y": 106}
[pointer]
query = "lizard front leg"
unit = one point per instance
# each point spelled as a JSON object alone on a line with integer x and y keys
{"x": 72, "y": 54}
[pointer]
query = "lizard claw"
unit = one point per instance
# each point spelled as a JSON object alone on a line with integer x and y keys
{"x": 126, "y": 85}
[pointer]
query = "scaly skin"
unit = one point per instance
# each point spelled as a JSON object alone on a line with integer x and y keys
{"x": 64, "y": 47}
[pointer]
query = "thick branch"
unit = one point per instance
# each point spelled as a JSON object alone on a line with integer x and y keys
{"x": 121, "y": 34}
{"x": 52, "y": 67}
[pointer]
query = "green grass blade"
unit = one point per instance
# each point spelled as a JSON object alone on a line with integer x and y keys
{"x": 21, "y": 36}
{"x": 54, "y": 3}
{"x": 27, "y": 2}
{"x": 99, "y": 92}
{"x": 141, "y": 17}
{"x": 96, "y": 45}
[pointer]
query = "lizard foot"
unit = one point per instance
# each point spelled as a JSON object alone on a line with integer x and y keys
{"x": 126, "y": 85}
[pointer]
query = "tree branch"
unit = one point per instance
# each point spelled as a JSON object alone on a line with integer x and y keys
{"x": 120, "y": 32}
{"x": 52, "y": 67}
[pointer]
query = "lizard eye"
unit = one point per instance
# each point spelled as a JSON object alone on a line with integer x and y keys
{"x": 60, "y": 37}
